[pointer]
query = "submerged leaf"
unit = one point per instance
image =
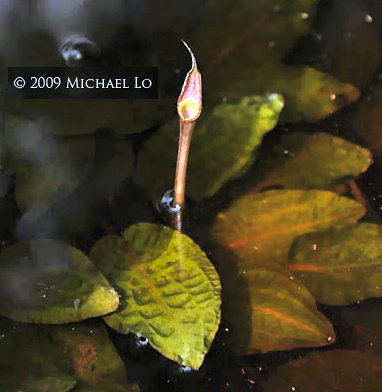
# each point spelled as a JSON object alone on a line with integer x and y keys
{"x": 310, "y": 95}
{"x": 243, "y": 44}
{"x": 262, "y": 227}
{"x": 340, "y": 266}
{"x": 171, "y": 292}
{"x": 266, "y": 310}
{"x": 47, "y": 281}
{"x": 319, "y": 161}
{"x": 337, "y": 370}
{"x": 252, "y": 31}
{"x": 222, "y": 147}
{"x": 38, "y": 358}
{"x": 362, "y": 325}
{"x": 95, "y": 361}
{"x": 367, "y": 123}
{"x": 85, "y": 116}
{"x": 47, "y": 169}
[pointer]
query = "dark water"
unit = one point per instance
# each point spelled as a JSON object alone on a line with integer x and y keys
{"x": 344, "y": 40}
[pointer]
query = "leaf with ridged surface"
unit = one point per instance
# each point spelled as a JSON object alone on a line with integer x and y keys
{"x": 266, "y": 309}
{"x": 340, "y": 266}
{"x": 263, "y": 226}
{"x": 50, "y": 282}
{"x": 313, "y": 161}
{"x": 336, "y": 370}
{"x": 170, "y": 290}
{"x": 222, "y": 148}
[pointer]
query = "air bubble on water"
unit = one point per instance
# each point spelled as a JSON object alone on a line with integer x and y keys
{"x": 141, "y": 341}
{"x": 184, "y": 369}
{"x": 165, "y": 203}
{"x": 75, "y": 49}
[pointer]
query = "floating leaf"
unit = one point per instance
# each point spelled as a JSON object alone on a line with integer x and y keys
{"x": 338, "y": 370}
{"x": 266, "y": 310}
{"x": 47, "y": 281}
{"x": 319, "y": 161}
{"x": 171, "y": 292}
{"x": 37, "y": 358}
{"x": 340, "y": 266}
{"x": 222, "y": 147}
{"x": 263, "y": 226}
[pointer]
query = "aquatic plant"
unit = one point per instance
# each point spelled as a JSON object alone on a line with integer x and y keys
{"x": 291, "y": 241}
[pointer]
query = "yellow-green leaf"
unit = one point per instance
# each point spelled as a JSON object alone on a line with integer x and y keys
{"x": 49, "y": 282}
{"x": 170, "y": 290}
{"x": 340, "y": 266}
{"x": 313, "y": 161}
{"x": 263, "y": 226}
{"x": 223, "y": 146}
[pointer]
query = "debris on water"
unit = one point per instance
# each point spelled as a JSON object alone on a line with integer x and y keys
{"x": 76, "y": 303}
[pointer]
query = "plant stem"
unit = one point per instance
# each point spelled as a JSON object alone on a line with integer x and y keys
{"x": 189, "y": 107}
{"x": 185, "y": 134}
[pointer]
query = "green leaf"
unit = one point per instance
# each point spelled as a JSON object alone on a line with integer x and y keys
{"x": 318, "y": 160}
{"x": 171, "y": 292}
{"x": 47, "y": 281}
{"x": 37, "y": 358}
{"x": 266, "y": 309}
{"x": 338, "y": 370}
{"x": 310, "y": 95}
{"x": 340, "y": 266}
{"x": 222, "y": 148}
{"x": 262, "y": 227}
